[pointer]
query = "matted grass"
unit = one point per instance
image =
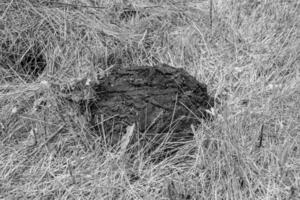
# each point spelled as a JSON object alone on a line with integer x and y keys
{"x": 247, "y": 52}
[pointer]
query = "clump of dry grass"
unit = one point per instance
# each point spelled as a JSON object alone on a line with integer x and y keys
{"x": 249, "y": 58}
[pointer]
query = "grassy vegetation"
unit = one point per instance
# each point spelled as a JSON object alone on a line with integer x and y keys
{"x": 247, "y": 52}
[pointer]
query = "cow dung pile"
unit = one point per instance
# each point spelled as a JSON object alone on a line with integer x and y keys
{"x": 162, "y": 101}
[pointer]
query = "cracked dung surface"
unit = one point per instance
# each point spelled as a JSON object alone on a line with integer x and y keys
{"x": 159, "y": 100}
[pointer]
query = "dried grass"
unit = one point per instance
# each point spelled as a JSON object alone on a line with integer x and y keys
{"x": 246, "y": 51}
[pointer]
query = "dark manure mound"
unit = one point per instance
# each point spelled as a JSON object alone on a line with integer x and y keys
{"x": 162, "y": 101}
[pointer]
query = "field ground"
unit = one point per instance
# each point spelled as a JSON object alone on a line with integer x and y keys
{"x": 247, "y": 52}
